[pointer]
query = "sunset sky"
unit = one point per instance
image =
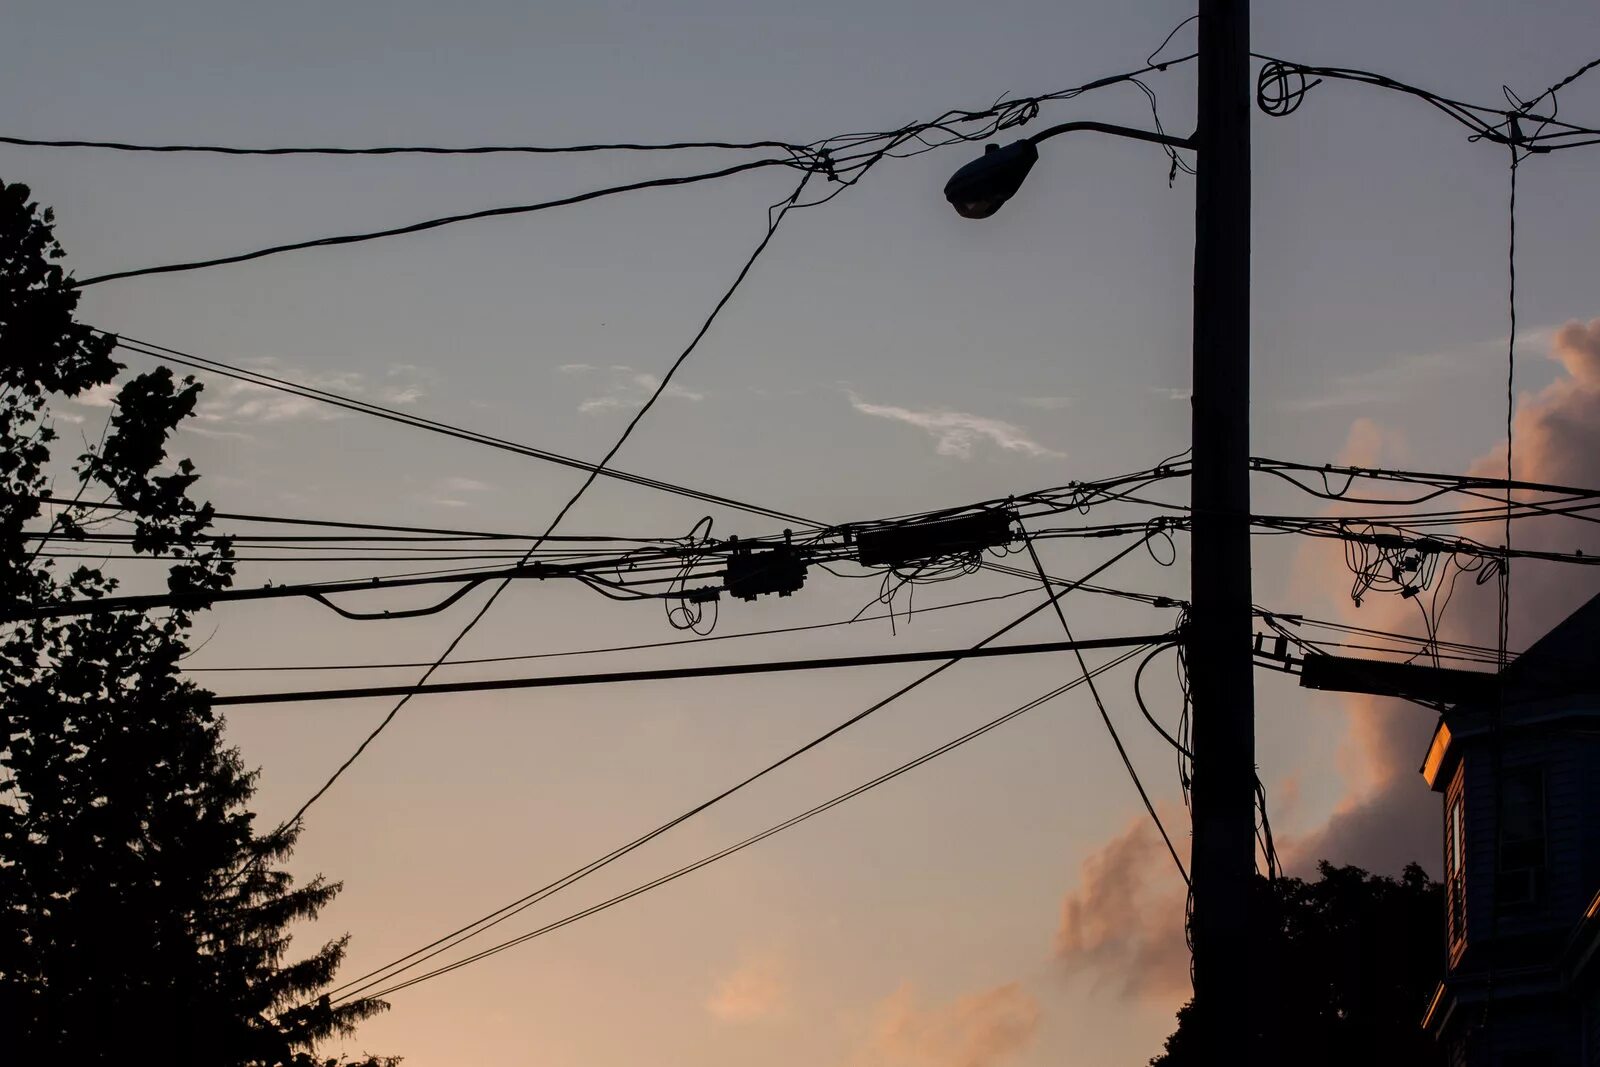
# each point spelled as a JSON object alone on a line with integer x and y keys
{"x": 1009, "y": 904}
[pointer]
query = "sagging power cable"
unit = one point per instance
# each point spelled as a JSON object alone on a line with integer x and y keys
{"x": 356, "y": 991}
{"x": 773, "y": 222}
{"x": 477, "y": 926}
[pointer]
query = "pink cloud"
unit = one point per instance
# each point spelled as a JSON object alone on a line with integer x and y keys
{"x": 755, "y": 991}
{"x": 1389, "y": 817}
{"x": 979, "y": 1030}
{"x": 1123, "y": 923}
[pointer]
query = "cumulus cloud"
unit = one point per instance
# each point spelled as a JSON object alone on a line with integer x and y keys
{"x": 755, "y": 991}
{"x": 627, "y": 389}
{"x": 958, "y": 433}
{"x": 1389, "y": 817}
{"x": 1122, "y": 926}
{"x": 979, "y": 1030}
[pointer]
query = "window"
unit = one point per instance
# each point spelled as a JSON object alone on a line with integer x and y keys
{"x": 1455, "y": 879}
{"x": 1519, "y": 882}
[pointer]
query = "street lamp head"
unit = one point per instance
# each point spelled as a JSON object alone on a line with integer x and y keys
{"x": 978, "y": 189}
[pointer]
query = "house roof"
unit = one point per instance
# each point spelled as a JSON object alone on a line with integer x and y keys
{"x": 1564, "y": 662}
{"x": 1566, "y": 659}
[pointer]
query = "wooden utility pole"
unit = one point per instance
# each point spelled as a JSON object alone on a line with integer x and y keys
{"x": 1222, "y": 859}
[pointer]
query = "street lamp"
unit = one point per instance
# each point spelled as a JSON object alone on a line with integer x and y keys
{"x": 979, "y": 189}
{"x": 1216, "y": 637}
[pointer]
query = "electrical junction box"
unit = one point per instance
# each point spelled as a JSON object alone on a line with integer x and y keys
{"x": 915, "y": 542}
{"x": 753, "y": 572}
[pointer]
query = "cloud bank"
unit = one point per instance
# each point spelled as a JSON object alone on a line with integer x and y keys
{"x": 1390, "y": 817}
{"x": 1122, "y": 923}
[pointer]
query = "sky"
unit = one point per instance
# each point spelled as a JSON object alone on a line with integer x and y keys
{"x": 1008, "y": 904}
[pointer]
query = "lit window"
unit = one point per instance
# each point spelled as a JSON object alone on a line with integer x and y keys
{"x": 1455, "y": 880}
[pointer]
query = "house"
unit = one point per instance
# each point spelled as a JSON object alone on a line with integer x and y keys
{"x": 1520, "y": 780}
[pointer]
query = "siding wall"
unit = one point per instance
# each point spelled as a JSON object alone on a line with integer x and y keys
{"x": 1571, "y": 765}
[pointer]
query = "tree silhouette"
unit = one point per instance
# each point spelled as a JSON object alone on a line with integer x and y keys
{"x": 141, "y": 917}
{"x": 1350, "y": 961}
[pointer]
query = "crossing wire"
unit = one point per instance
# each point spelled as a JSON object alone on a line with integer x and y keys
{"x": 406, "y": 150}
{"x": 405, "y": 418}
{"x": 609, "y": 649}
{"x": 213, "y": 366}
{"x": 659, "y": 674}
{"x": 1105, "y": 716}
{"x": 739, "y": 846}
{"x": 774, "y": 221}
{"x": 432, "y": 224}
{"x": 477, "y": 926}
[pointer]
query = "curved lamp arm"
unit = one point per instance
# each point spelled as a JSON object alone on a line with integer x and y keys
{"x": 978, "y": 189}
{"x": 1118, "y": 131}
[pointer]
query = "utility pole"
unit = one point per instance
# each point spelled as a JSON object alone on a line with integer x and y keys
{"x": 1217, "y": 643}
{"x": 1217, "y": 640}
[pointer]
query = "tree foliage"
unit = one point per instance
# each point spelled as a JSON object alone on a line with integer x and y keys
{"x": 141, "y": 916}
{"x": 1349, "y": 962}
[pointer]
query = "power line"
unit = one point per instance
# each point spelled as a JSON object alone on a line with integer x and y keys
{"x": 588, "y": 566}
{"x": 1458, "y": 483}
{"x": 772, "y": 227}
{"x": 1572, "y": 502}
{"x": 1490, "y": 659}
{"x": 676, "y": 673}
{"x": 434, "y": 223}
{"x": 432, "y": 556}
{"x": 438, "y": 532}
{"x": 1105, "y": 716}
{"x": 1511, "y": 379}
{"x": 1558, "y": 86}
{"x": 1274, "y": 618}
{"x": 1281, "y": 86}
{"x": 395, "y": 548}
{"x": 404, "y": 418}
{"x": 1339, "y": 529}
{"x": 815, "y": 152}
{"x": 845, "y": 159}
{"x": 318, "y": 591}
{"x": 475, "y": 927}
{"x": 776, "y": 828}
{"x": 213, "y": 366}
{"x": 410, "y": 150}
{"x": 676, "y": 642}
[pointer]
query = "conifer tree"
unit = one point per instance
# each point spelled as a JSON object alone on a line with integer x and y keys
{"x": 142, "y": 918}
